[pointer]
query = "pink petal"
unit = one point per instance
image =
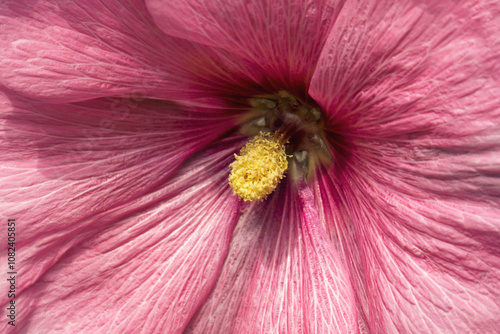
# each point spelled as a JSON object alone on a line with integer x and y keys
{"x": 65, "y": 51}
{"x": 424, "y": 263}
{"x": 387, "y": 59}
{"x": 283, "y": 38}
{"x": 71, "y": 171}
{"x": 282, "y": 275}
{"x": 411, "y": 93}
{"x": 152, "y": 269}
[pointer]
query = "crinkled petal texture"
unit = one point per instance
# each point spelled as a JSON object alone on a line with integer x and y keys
{"x": 412, "y": 202}
{"x": 150, "y": 272}
{"x": 100, "y": 228}
{"x": 116, "y": 239}
{"x": 65, "y": 51}
{"x": 283, "y": 38}
{"x": 282, "y": 274}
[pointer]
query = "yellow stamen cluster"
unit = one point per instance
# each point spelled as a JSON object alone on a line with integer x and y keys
{"x": 259, "y": 168}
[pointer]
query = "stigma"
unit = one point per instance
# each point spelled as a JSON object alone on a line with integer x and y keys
{"x": 259, "y": 168}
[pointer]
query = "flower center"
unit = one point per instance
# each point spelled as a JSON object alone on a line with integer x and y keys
{"x": 259, "y": 168}
{"x": 286, "y": 131}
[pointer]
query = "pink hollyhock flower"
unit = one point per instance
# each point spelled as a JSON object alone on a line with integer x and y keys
{"x": 120, "y": 119}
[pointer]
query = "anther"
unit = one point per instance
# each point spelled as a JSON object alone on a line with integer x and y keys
{"x": 259, "y": 168}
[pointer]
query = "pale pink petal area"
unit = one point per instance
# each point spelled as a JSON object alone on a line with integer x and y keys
{"x": 66, "y": 51}
{"x": 281, "y": 275}
{"x": 282, "y": 37}
{"x": 71, "y": 171}
{"x": 424, "y": 263}
{"x": 412, "y": 198}
{"x": 152, "y": 269}
{"x": 384, "y": 60}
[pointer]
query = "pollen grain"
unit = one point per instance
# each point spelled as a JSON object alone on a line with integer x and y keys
{"x": 258, "y": 169}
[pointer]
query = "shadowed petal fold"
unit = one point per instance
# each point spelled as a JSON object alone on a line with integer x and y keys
{"x": 66, "y": 51}
{"x": 283, "y": 38}
{"x": 281, "y": 275}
